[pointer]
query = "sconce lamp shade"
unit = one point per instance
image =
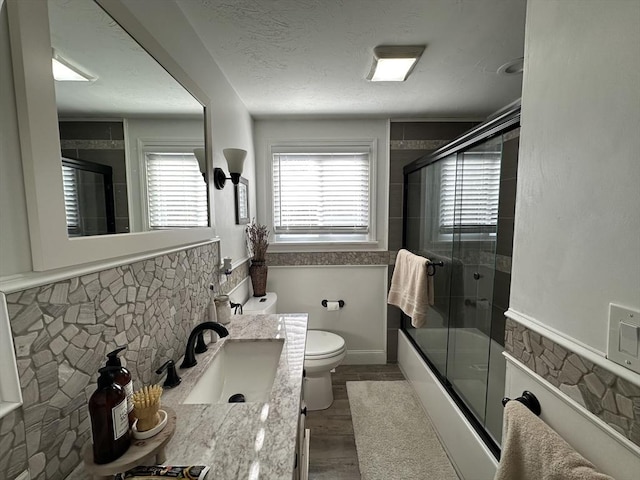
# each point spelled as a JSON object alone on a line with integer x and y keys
{"x": 235, "y": 161}
{"x": 202, "y": 162}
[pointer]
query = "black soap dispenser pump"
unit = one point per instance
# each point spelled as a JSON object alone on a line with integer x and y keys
{"x": 122, "y": 377}
{"x": 109, "y": 422}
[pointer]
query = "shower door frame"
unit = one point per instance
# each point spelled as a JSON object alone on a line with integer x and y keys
{"x": 502, "y": 123}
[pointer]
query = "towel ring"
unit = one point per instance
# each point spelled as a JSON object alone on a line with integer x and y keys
{"x": 528, "y": 399}
{"x": 431, "y": 272}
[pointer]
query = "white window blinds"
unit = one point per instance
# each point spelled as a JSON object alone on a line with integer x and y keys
{"x": 176, "y": 192}
{"x": 71, "y": 207}
{"x": 469, "y": 193}
{"x": 321, "y": 191}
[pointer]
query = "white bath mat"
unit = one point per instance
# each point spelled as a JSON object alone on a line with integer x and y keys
{"x": 394, "y": 437}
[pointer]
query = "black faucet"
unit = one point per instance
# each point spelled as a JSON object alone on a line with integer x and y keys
{"x": 189, "y": 354}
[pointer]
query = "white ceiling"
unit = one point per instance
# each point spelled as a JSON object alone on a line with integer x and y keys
{"x": 303, "y": 57}
{"x": 311, "y": 57}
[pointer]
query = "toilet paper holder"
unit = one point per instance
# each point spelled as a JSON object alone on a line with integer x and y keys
{"x": 340, "y": 303}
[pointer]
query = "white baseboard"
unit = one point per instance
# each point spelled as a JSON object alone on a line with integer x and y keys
{"x": 365, "y": 357}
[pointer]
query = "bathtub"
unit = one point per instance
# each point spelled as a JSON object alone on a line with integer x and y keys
{"x": 469, "y": 366}
{"x": 468, "y": 453}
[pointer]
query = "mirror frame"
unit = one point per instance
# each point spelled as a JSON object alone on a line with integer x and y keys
{"x": 51, "y": 248}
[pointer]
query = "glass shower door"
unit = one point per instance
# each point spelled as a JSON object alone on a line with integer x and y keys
{"x": 423, "y": 238}
{"x": 472, "y": 225}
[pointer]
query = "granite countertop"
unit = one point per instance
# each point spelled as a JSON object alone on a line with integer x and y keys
{"x": 244, "y": 440}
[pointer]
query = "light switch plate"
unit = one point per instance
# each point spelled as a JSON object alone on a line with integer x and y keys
{"x": 624, "y": 337}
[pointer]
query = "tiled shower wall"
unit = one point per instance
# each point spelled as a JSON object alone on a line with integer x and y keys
{"x": 62, "y": 332}
{"x": 103, "y": 143}
{"x": 409, "y": 141}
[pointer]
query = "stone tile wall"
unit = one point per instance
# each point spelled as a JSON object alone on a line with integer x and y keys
{"x": 13, "y": 448}
{"x": 609, "y": 397}
{"x": 62, "y": 332}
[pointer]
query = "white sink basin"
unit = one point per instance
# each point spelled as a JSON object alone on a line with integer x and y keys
{"x": 246, "y": 367}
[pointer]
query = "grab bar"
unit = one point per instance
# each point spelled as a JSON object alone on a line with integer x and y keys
{"x": 528, "y": 399}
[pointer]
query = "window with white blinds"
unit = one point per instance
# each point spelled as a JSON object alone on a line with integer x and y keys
{"x": 176, "y": 191}
{"x": 71, "y": 204}
{"x": 469, "y": 193}
{"x": 322, "y": 190}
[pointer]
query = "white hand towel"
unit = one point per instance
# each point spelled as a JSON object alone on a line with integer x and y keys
{"x": 411, "y": 287}
{"x": 531, "y": 450}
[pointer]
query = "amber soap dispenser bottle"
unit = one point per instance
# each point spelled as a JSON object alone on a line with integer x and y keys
{"x": 123, "y": 378}
{"x": 109, "y": 418}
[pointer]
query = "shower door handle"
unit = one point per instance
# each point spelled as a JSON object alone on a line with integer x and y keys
{"x": 477, "y": 276}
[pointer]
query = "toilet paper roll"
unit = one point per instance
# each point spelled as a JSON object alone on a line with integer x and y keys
{"x": 333, "y": 306}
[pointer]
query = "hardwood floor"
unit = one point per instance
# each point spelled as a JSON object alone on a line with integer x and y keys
{"x": 332, "y": 452}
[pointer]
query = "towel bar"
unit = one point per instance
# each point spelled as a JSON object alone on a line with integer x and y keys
{"x": 433, "y": 266}
{"x": 528, "y": 399}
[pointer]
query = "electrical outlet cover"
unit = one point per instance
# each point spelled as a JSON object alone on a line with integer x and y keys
{"x": 624, "y": 337}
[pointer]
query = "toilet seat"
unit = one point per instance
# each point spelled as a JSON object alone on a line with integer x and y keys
{"x": 321, "y": 345}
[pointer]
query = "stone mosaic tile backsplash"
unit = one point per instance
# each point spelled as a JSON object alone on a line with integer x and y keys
{"x": 611, "y": 398}
{"x": 62, "y": 332}
{"x": 329, "y": 258}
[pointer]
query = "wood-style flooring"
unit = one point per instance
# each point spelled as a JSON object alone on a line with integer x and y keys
{"x": 332, "y": 454}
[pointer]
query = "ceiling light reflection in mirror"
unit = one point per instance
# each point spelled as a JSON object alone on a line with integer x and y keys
{"x": 131, "y": 110}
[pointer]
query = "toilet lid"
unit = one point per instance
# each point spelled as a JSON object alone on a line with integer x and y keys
{"x": 321, "y": 343}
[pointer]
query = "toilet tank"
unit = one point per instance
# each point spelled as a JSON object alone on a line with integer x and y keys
{"x": 261, "y": 305}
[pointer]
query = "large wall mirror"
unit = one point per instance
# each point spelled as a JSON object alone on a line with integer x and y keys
{"x": 119, "y": 108}
{"x": 114, "y": 164}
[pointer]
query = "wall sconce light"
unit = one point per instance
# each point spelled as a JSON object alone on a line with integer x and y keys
{"x": 394, "y": 63}
{"x": 202, "y": 162}
{"x": 235, "y": 160}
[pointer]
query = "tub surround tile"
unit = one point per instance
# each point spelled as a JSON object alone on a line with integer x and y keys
{"x": 609, "y": 397}
{"x": 417, "y": 144}
{"x": 429, "y": 130}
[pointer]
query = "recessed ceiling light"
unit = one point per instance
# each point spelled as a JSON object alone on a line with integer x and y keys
{"x": 63, "y": 71}
{"x": 512, "y": 67}
{"x": 394, "y": 63}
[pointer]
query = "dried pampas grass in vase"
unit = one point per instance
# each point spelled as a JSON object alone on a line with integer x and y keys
{"x": 257, "y": 243}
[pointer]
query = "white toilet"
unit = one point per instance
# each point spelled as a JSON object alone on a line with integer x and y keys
{"x": 261, "y": 305}
{"x": 324, "y": 352}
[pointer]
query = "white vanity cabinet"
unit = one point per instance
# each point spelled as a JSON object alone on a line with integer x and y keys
{"x": 301, "y": 471}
